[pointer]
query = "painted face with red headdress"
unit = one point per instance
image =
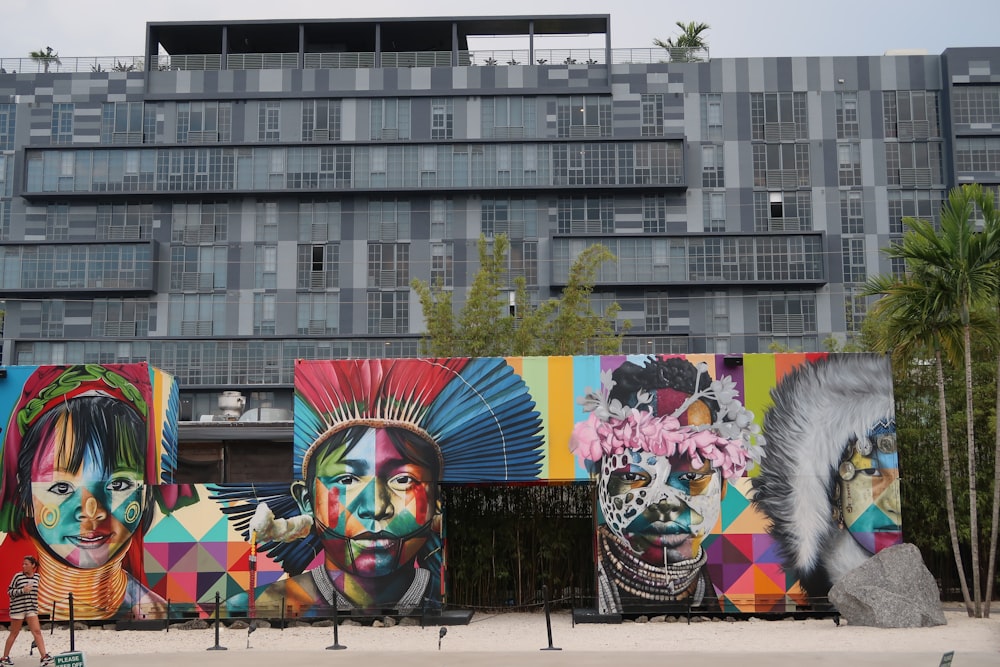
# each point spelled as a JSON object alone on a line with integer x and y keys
{"x": 79, "y": 437}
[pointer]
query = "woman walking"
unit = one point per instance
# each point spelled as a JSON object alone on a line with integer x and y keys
{"x": 23, "y": 591}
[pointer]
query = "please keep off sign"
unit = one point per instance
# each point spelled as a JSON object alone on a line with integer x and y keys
{"x": 74, "y": 659}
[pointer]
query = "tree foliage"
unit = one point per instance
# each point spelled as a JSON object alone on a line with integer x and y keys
{"x": 946, "y": 299}
{"x": 496, "y": 321}
{"x": 46, "y": 57}
{"x": 685, "y": 46}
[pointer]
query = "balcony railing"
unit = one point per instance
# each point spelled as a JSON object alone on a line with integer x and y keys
{"x": 92, "y": 64}
{"x": 353, "y": 60}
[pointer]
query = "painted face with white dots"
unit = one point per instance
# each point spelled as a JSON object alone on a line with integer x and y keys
{"x": 663, "y": 507}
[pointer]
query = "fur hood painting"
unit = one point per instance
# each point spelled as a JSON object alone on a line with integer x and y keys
{"x": 830, "y": 481}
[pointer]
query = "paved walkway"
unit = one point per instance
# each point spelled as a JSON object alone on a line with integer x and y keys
{"x": 567, "y": 657}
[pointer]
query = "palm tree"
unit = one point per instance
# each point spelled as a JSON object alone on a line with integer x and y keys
{"x": 960, "y": 264}
{"x": 915, "y": 324}
{"x": 681, "y": 48}
{"x": 991, "y": 229}
{"x": 45, "y": 56}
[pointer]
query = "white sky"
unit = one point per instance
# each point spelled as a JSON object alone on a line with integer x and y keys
{"x": 739, "y": 28}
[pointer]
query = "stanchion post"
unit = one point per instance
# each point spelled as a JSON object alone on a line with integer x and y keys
{"x": 548, "y": 619}
{"x": 336, "y": 646}
{"x": 282, "y": 612}
{"x": 52, "y": 619}
{"x": 218, "y": 604}
{"x": 166, "y": 623}
{"x": 72, "y": 626}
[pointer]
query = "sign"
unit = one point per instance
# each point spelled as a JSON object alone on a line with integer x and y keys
{"x": 73, "y": 659}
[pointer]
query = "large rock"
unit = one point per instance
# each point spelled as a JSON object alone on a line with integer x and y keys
{"x": 892, "y": 589}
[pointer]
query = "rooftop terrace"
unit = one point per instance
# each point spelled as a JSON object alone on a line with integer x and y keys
{"x": 362, "y": 43}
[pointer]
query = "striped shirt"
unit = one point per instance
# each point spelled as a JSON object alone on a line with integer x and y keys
{"x": 21, "y": 602}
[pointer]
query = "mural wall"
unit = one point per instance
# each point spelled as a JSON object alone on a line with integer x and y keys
{"x": 737, "y": 482}
{"x": 85, "y": 449}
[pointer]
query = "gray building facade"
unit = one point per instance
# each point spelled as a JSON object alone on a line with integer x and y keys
{"x": 250, "y": 193}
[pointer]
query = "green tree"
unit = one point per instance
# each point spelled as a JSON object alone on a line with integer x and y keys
{"x": 497, "y": 322}
{"x": 46, "y": 57}
{"x": 951, "y": 272}
{"x": 914, "y": 324}
{"x": 991, "y": 230}
{"x": 574, "y": 327}
{"x": 685, "y": 46}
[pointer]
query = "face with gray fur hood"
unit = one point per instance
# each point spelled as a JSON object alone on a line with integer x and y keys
{"x": 830, "y": 481}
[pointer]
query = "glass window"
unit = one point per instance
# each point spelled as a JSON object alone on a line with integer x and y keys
{"x": 583, "y": 116}
{"x": 651, "y": 110}
{"x": 711, "y": 116}
{"x": 586, "y": 215}
{"x": 974, "y": 104}
{"x": 442, "y": 118}
{"x": 269, "y": 121}
{"x": 851, "y": 213}
{"x": 442, "y": 264}
{"x": 508, "y": 117}
{"x": 318, "y": 314}
{"x": 390, "y": 119}
{"x": 911, "y": 114}
{"x": 388, "y": 265}
{"x": 712, "y": 171}
{"x": 778, "y": 116}
{"x": 715, "y": 211}
{"x": 7, "y": 115}
{"x": 849, "y": 164}
{"x": 847, "y": 116}
{"x": 321, "y": 120}
{"x": 264, "y": 314}
{"x": 388, "y": 312}
{"x": 62, "y": 123}
{"x": 853, "y": 255}
{"x": 318, "y": 266}
{"x": 654, "y": 214}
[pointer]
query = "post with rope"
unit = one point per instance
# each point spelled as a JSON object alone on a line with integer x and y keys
{"x": 336, "y": 646}
{"x": 218, "y": 604}
{"x": 72, "y": 626}
{"x": 548, "y": 619}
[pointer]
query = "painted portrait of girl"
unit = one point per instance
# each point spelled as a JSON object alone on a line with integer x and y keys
{"x": 83, "y": 451}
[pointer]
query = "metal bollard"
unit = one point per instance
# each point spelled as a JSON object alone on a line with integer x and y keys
{"x": 548, "y": 619}
{"x": 218, "y": 604}
{"x": 336, "y": 646}
{"x": 72, "y": 626}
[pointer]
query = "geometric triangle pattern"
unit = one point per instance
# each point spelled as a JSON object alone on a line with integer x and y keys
{"x": 742, "y": 559}
{"x": 194, "y": 553}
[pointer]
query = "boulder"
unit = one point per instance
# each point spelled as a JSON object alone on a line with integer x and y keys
{"x": 892, "y": 589}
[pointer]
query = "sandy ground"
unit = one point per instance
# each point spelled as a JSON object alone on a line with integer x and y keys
{"x": 506, "y": 639}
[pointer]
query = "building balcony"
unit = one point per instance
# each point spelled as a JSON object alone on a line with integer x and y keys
{"x": 763, "y": 260}
{"x": 97, "y": 268}
{"x": 352, "y": 60}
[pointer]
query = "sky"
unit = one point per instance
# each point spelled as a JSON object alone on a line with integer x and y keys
{"x": 738, "y": 28}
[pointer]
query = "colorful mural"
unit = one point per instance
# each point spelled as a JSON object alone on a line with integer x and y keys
{"x": 84, "y": 451}
{"x": 728, "y": 482}
{"x": 373, "y": 440}
{"x": 737, "y": 482}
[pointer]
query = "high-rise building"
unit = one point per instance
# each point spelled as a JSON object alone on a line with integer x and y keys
{"x": 247, "y": 193}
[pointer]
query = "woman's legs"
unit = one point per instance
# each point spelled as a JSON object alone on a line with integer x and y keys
{"x": 15, "y": 629}
{"x": 36, "y": 632}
